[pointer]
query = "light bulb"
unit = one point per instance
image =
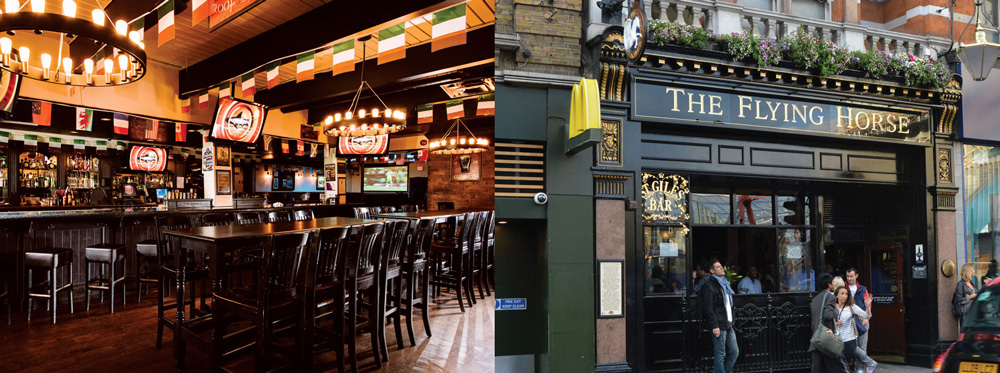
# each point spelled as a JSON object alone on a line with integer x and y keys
{"x": 108, "y": 66}
{"x": 133, "y": 36}
{"x": 88, "y": 66}
{"x": 348, "y": 115}
{"x": 121, "y": 27}
{"x": 329, "y": 119}
{"x": 38, "y": 6}
{"x": 5, "y": 44}
{"x": 336, "y": 117}
{"x": 374, "y": 113}
{"x": 67, "y": 68}
{"x": 11, "y": 6}
{"x": 25, "y": 53}
{"x": 98, "y": 16}
{"x": 123, "y": 61}
{"x": 142, "y": 45}
{"x": 361, "y": 113}
{"x": 46, "y": 60}
{"x": 69, "y": 8}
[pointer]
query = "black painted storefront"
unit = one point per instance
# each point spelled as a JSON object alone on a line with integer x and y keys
{"x": 865, "y": 190}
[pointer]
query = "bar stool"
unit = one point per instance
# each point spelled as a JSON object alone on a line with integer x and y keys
{"x": 109, "y": 256}
{"x": 458, "y": 273}
{"x": 146, "y": 251}
{"x": 390, "y": 269}
{"x": 248, "y": 217}
{"x": 51, "y": 259}
{"x": 362, "y": 213}
{"x": 5, "y": 290}
{"x": 303, "y": 215}
{"x": 416, "y": 276}
{"x": 278, "y": 216}
{"x": 216, "y": 219}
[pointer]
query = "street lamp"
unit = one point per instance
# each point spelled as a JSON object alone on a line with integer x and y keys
{"x": 979, "y": 57}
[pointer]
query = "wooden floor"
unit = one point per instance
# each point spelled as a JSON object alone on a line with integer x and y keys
{"x": 97, "y": 341}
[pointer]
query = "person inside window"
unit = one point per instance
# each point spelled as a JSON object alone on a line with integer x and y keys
{"x": 749, "y": 284}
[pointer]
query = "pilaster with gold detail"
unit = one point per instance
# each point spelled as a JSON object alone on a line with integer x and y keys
{"x": 613, "y": 65}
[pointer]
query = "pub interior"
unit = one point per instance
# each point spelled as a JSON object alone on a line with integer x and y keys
{"x": 246, "y": 186}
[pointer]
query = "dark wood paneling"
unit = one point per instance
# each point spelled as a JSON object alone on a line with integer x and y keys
{"x": 677, "y": 151}
{"x": 831, "y": 162}
{"x": 782, "y": 158}
{"x": 731, "y": 155}
{"x": 883, "y": 165}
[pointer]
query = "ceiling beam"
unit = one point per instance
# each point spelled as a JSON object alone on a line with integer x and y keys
{"x": 316, "y": 28}
{"x": 420, "y": 67}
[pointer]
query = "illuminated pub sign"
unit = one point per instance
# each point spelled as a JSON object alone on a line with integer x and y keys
{"x": 666, "y": 102}
{"x": 664, "y": 198}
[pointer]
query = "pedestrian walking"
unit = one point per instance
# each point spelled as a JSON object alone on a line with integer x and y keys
{"x": 716, "y": 298}
{"x": 823, "y": 310}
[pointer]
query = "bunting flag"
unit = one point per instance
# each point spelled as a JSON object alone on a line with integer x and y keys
{"x": 41, "y": 113}
{"x": 79, "y": 144}
{"x": 422, "y": 155}
{"x": 181, "y": 132}
{"x": 391, "y": 43}
{"x": 313, "y": 149}
{"x": 99, "y": 61}
{"x": 203, "y": 101}
{"x": 249, "y": 84}
{"x": 84, "y": 119}
{"x": 140, "y": 26}
{"x": 284, "y": 147}
{"x": 121, "y": 124}
{"x": 300, "y": 148}
{"x": 455, "y": 109}
{"x": 267, "y": 142}
{"x": 449, "y": 28}
{"x": 54, "y": 141}
{"x": 343, "y": 57}
{"x": 202, "y": 9}
{"x": 226, "y": 90}
{"x": 186, "y": 105}
{"x": 272, "y": 74}
{"x": 102, "y": 145}
{"x": 425, "y": 113}
{"x": 4, "y": 136}
{"x": 30, "y": 140}
{"x": 165, "y": 23}
{"x": 152, "y": 128}
{"x": 304, "y": 68}
{"x": 485, "y": 105}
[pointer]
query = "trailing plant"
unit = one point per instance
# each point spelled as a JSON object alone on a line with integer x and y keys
{"x": 920, "y": 72}
{"x": 820, "y": 54}
{"x": 874, "y": 63}
{"x": 765, "y": 52}
{"x": 663, "y": 33}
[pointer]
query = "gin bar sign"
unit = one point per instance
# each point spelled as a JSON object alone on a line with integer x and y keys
{"x": 665, "y": 102}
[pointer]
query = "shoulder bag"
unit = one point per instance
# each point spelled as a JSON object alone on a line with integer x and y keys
{"x": 824, "y": 339}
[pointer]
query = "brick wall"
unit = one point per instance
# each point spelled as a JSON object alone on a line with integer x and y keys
{"x": 551, "y": 31}
{"x": 465, "y": 194}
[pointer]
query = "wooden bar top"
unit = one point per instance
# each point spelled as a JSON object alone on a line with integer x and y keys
{"x": 425, "y": 214}
{"x": 243, "y": 231}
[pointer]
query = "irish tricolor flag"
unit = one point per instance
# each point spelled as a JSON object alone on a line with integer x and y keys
{"x": 485, "y": 105}
{"x": 202, "y": 8}
{"x": 84, "y": 119}
{"x": 304, "y": 67}
{"x": 425, "y": 113}
{"x": 165, "y": 14}
{"x": 455, "y": 109}
{"x": 272, "y": 74}
{"x": 343, "y": 57}
{"x": 225, "y": 90}
{"x": 449, "y": 28}
{"x": 392, "y": 43}
{"x": 249, "y": 85}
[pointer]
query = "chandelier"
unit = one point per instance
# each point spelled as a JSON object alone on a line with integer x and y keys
{"x": 459, "y": 144}
{"x": 357, "y": 122}
{"x": 127, "y": 66}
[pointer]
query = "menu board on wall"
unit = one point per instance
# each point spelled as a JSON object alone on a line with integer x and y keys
{"x": 238, "y": 120}
{"x": 147, "y": 158}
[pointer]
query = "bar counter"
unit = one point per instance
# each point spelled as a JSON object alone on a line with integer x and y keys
{"x": 76, "y": 227}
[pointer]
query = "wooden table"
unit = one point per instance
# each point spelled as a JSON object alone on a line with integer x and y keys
{"x": 215, "y": 241}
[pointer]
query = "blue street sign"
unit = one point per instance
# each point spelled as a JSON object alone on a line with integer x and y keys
{"x": 507, "y": 304}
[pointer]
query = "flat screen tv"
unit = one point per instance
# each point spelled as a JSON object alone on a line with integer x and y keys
{"x": 386, "y": 179}
{"x": 162, "y": 193}
{"x": 365, "y": 145}
{"x": 238, "y": 120}
{"x": 147, "y": 158}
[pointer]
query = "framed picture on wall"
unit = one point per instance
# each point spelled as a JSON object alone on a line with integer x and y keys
{"x": 223, "y": 182}
{"x": 222, "y": 156}
{"x": 465, "y": 167}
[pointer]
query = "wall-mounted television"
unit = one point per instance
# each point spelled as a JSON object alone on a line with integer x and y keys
{"x": 238, "y": 120}
{"x": 10, "y": 85}
{"x": 365, "y": 145}
{"x": 386, "y": 179}
{"x": 147, "y": 158}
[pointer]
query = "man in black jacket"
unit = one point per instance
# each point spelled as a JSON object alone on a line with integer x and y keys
{"x": 825, "y": 312}
{"x": 716, "y": 297}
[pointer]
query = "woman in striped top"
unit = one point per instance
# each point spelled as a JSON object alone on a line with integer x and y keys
{"x": 847, "y": 330}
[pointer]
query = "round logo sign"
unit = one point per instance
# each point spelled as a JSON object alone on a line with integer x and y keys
{"x": 635, "y": 34}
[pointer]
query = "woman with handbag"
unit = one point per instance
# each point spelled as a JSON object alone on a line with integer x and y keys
{"x": 847, "y": 329}
{"x": 965, "y": 293}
